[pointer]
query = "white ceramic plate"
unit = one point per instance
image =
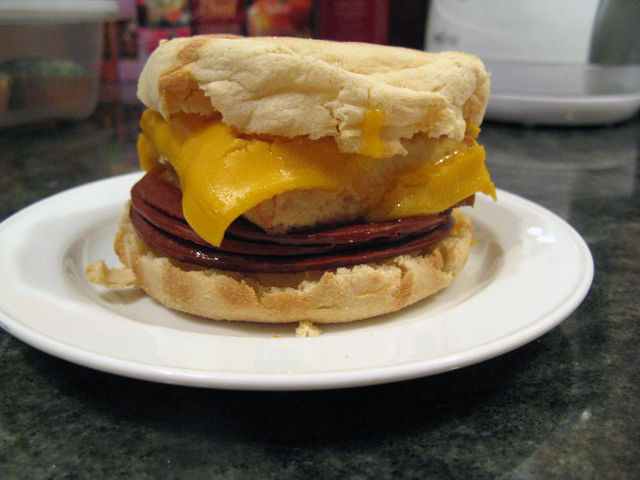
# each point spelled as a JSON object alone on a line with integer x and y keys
{"x": 568, "y": 110}
{"x": 527, "y": 272}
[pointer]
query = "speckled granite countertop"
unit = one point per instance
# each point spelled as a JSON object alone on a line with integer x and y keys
{"x": 564, "y": 406}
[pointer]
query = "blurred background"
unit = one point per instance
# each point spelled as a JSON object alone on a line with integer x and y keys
{"x": 58, "y": 58}
{"x": 575, "y": 62}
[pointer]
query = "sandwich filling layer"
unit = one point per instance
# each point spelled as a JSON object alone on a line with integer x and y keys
{"x": 156, "y": 215}
{"x": 223, "y": 174}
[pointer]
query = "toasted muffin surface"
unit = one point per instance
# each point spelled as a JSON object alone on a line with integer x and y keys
{"x": 299, "y": 87}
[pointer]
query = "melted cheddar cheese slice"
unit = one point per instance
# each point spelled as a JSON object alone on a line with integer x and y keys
{"x": 223, "y": 174}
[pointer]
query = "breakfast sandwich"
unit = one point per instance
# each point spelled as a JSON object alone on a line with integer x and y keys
{"x": 299, "y": 180}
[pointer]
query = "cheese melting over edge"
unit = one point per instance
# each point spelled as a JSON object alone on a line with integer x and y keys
{"x": 223, "y": 174}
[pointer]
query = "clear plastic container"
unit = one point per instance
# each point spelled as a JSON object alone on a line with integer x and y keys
{"x": 50, "y": 56}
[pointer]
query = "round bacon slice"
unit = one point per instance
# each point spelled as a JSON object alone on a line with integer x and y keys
{"x": 216, "y": 258}
{"x": 345, "y": 234}
{"x": 157, "y": 191}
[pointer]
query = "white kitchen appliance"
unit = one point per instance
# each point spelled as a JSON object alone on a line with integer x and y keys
{"x": 569, "y": 62}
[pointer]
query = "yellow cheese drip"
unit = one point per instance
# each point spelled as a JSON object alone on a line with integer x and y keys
{"x": 371, "y": 126}
{"x": 434, "y": 186}
{"x": 222, "y": 174}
